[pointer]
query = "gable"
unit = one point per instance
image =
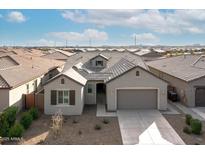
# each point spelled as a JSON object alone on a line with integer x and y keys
{"x": 138, "y": 74}
{"x": 68, "y": 82}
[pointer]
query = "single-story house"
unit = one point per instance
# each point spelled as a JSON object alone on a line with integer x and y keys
{"x": 186, "y": 74}
{"x": 23, "y": 75}
{"x": 58, "y": 54}
{"x": 119, "y": 80}
{"x": 148, "y": 54}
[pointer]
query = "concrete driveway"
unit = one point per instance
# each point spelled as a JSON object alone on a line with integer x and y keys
{"x": 146, "y": 127}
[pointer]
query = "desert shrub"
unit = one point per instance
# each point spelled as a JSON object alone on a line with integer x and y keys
{"x": 4, "y": 127}
{"x": 188, "y": 119}
{"x": 79, "y": 132}
{"x": 16, "y": 130}
{"x": 187, "y": 130}
{"x": 105, "y": 121}
{"x": 26, "y": 120}
{"x": 196, "y": 126}
{"x": 10, "y": 115}
{"x": 75, "y": 121}
{"x": 34, "y": 113}
{"x": 97, "y": 127}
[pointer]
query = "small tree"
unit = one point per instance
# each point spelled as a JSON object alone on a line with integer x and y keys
{"x": 16, "y": 131}
{"x": 10, "y": 115}
{"x": 26, "y": 120}
{"x": 4, "y": 127}
{"x": 34, "y": 113}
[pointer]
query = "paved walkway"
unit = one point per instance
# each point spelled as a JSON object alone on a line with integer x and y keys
{"x": 187, "y": 110}
{"x": 200, "y": 111}
{"x": 171, "y": 109}
{"x": 101, "y": 111}
{"x": 146, "y": 127}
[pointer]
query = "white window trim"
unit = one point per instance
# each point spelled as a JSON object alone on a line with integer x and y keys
{"x": 57, "y": 103}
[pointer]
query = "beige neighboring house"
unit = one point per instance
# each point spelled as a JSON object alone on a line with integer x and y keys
{"x": 186, "y": 73}
{"x": 58, "y": 54}
{"x": 118, "y": 80}
{"x": 23, "y": 75}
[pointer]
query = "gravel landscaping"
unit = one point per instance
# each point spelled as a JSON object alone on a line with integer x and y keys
{"x": 77, "y": 130}
{"x": 178, "y": 123}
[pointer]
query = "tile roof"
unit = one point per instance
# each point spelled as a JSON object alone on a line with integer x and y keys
{"x": 7, "y": 62}
{"x": 28, "y": 69}
{"x": 3, "y": 83}
{"x": 117, "y": 63}
{"x": 187, "y": 67}
{"x": 58, "y": 55}
{"x": 122, "y": 66}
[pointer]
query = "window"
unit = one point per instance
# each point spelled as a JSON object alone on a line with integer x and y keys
{"x": 99, "y": 63}
{"x": 62, "y": 81}
{"x": 27, "y": 88}
{"x": 90, "y": 90}
{"x": 137, "y": 73}
{"x": 63, "y": 97}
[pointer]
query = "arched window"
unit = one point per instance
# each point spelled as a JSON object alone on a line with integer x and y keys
{"x": 137, "y": 73}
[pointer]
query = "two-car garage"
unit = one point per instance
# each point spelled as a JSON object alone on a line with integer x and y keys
{"x": 137, "y": 98}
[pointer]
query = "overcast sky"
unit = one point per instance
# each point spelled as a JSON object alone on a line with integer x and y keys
{"x": 102, "y": 27}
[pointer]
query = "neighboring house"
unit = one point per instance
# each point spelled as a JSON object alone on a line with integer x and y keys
{"x": 22, "y": 75}
{"x": 120, "y": 80}
{"x": 186, "y": 73}
{"x": 59, "y": 55}
{"x": 148, "y": 54}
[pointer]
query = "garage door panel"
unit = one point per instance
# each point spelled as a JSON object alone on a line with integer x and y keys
{"x": 200, "y": 97}
{"x": 137, "y": 98}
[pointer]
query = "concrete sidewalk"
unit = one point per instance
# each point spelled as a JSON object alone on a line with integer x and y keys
{"x": 186, "y": 110}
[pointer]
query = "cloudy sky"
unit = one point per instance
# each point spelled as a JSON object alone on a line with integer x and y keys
{"x": 102, "y": 27}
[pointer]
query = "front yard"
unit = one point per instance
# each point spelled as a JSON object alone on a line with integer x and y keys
{"x": 178, "y": 123}
{"x": 76, "y": 130}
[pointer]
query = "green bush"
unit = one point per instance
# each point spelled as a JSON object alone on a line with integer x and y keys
{"x": 34, "y": 113}
{"x": 196, "y": 126}
{"x": 4, "y": 127}
{"x": 10, "y": 115}
{"x": 105, "y": 121}
{"x": 188, "y": 119}
{"x": 16, "y": 130}
{"x": 26, "y": 120}
{"x": 187, "y": 130}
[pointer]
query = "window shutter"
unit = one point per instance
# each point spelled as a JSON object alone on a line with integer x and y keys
{"x": 53, "y": 97}
{"x": 72, "y": 97}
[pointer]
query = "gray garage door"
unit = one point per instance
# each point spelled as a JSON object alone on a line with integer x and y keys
{"x": 200, "y": 97}
{"x": 137, "y": 99}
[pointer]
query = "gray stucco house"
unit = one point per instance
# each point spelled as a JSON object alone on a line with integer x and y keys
{"x": 186, "y": 74}
{"x": 120, "y": 80}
